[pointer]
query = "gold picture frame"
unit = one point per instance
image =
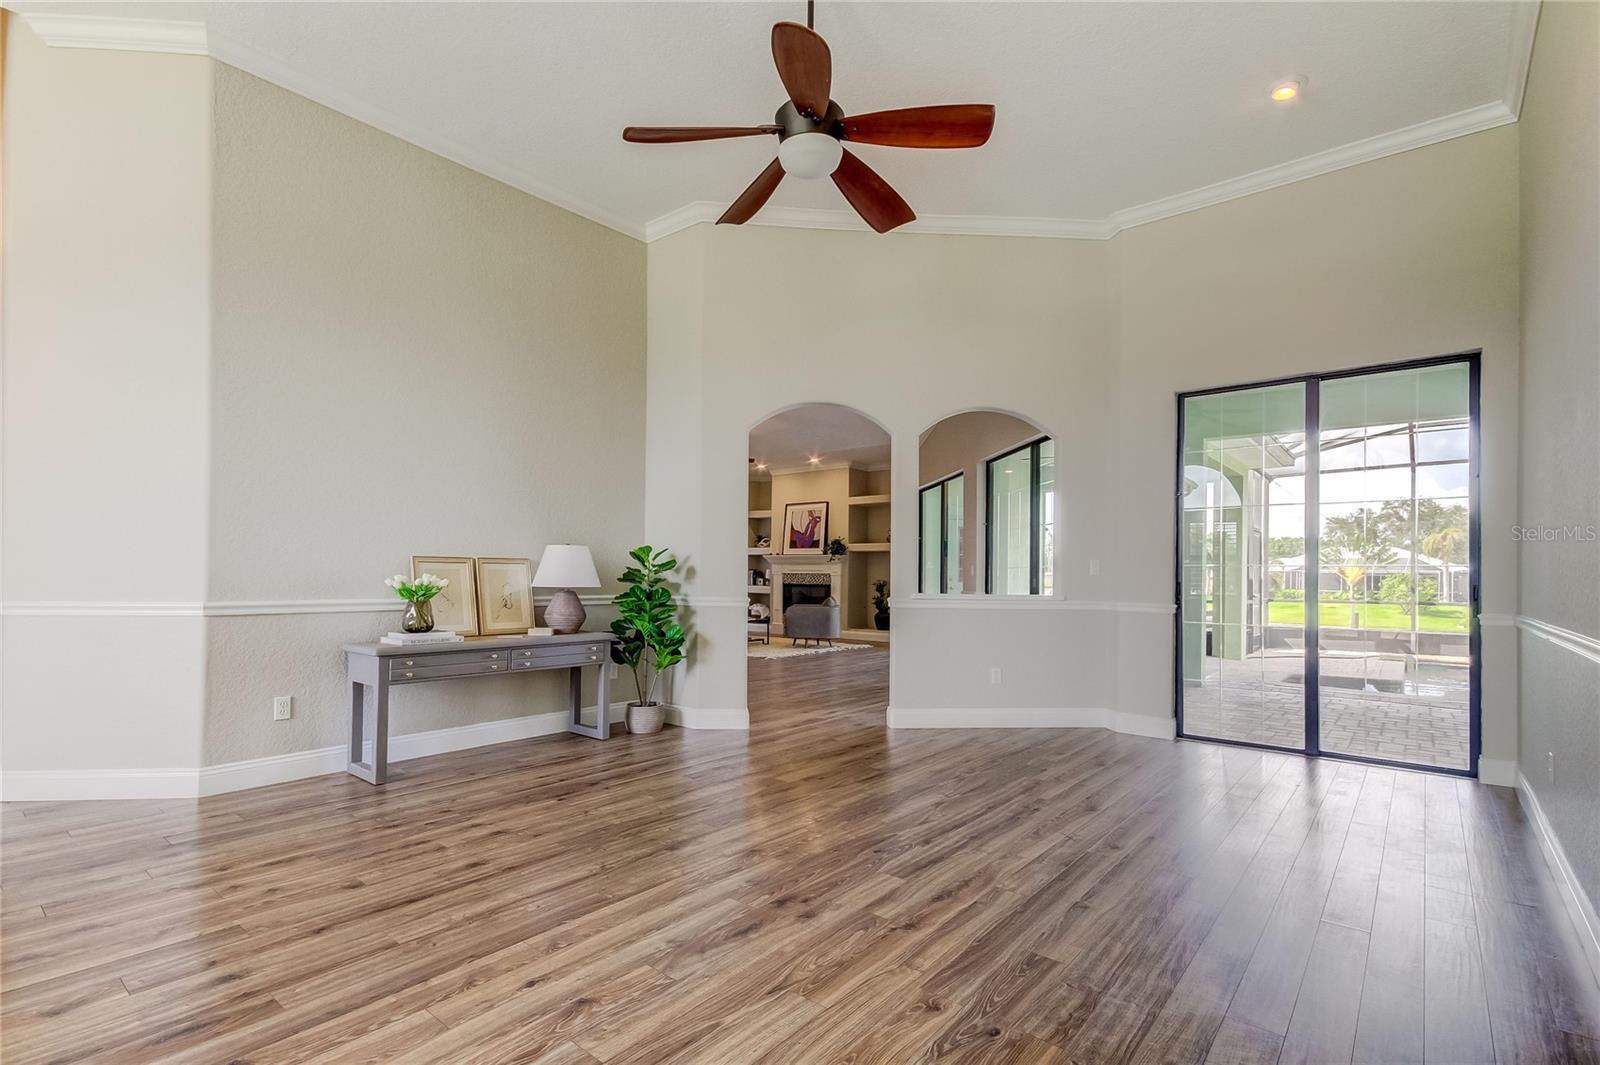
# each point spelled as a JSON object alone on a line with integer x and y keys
{"x": 505, "y": 596}
{"x": 456, "y": 607}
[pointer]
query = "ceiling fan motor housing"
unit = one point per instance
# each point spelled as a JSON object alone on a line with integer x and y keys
{"x": 792, "y": 121}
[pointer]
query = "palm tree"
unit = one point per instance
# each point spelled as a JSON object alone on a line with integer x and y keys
{"x": 1446, "y": 545}
{"x": 1351, "y": 546}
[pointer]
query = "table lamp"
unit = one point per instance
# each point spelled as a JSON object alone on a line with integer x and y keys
{"x": 565, "y": 567}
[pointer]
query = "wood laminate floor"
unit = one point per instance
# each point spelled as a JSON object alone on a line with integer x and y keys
{"x": 817, "y": 890}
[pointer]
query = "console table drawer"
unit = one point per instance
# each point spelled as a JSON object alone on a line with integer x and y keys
{"x": 447, "y": 658}
{"x": 561, "y": 652}
{"x": 548, "y": 661}
{"x": 462, "y": 666}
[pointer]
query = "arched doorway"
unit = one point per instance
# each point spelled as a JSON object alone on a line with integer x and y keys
{"x": 817, "y": 565}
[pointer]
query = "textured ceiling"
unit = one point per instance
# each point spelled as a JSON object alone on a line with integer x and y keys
{"x": 1102, "y": 107}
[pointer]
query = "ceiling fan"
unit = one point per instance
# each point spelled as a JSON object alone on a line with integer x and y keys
{"x": 812, "y": 128}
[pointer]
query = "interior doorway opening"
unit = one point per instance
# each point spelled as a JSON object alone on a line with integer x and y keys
{"x": 818, "y": 539}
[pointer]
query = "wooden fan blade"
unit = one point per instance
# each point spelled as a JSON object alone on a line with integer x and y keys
{"x": 870, "y": 195}
{"x": 679, "y": 134}
{"x": 940, "y": 126}
{"x": 751, "y": 199}
{"x": 804, "y": 65}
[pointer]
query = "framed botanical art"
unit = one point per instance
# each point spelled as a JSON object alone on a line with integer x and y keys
{"x": 805, "y": 528}
{"x": 505, "y": 595}
{"x": 456, "y": 607}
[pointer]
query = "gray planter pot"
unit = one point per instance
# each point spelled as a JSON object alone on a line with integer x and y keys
{"x": 645, "y": 717}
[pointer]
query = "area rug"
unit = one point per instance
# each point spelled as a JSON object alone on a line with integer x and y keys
{"x": 783, "y": 650}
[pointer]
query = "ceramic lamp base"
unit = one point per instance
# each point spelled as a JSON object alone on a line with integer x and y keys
{"x": 565, "y": 613}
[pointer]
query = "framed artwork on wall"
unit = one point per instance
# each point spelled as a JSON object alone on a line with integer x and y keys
{"x": 456, "y": 607}
{"x": 505, "y": 596}
{"x": 805, "y": 528}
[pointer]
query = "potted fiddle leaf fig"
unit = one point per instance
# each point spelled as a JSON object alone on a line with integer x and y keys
{"x": 649, "y": 640}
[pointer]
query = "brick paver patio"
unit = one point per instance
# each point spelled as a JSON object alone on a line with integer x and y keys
{"x": 1420, "y": 715}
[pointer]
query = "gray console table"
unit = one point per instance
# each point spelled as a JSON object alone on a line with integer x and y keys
{"x": 380, "y": 666}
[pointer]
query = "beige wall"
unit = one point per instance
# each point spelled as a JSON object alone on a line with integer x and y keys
{"x": 961, "y": 444}
{"x": 1561, "y": 429}
{"x": 1405, "y": 257}
{"x": 105, "y": 339}
{"x": 408, "y": 357}
{"x": 256, "y": 355}
{"x": 961, "y": 322}
{"x": 1409, "y": 256}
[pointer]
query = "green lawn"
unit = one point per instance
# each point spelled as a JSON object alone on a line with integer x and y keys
{"x": 1438, "y": 618}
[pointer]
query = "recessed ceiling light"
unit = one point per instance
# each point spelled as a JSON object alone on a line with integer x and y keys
{"x": 1285, "y": 91}
{"x": 761, "y": 465}
{"x": 814, "y": 459}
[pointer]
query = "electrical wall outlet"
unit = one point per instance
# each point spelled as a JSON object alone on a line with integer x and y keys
{"x": 994, "y": 675}
{"x": 1094, "y": 567}
{"x": 1550, "y": 766}
{"x": 283, "y": 708}
{"x": 613, "y": 671}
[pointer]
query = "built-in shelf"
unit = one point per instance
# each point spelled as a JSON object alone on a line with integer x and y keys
{"x": 867, "y": 548}
{"x": 869, "y": 501}
{"x": 759, "y": 589}
{"x": 760, "y": 550}
{"x": 759, "y": 514}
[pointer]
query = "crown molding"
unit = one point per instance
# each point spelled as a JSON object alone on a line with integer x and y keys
{"x": 237, "y": 54}
{"x": 1524, "y": 25}
{"x": 699, "y": 211}
{"x": 61, "y": 30}
{"x": 1460, "y": 124}
{"x": 192, "y": 38}
{"x": 1472, "y": 120}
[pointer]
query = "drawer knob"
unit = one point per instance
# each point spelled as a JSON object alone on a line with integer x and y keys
{"x": 494, "y": 656}
{"x": 409, "y": 662}
{"x": 494, "y": 667}
{"x": 410, "y": 674}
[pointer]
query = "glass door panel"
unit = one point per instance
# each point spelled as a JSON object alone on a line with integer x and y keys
{"x": 1241, "y": 544}
{"x": 1395, "y": 543}
{"x": 1325, "y": 570}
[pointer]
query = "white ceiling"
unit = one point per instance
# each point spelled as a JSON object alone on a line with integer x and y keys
{"x": 836, "y": 435}
{"x": 1109, "y": 114}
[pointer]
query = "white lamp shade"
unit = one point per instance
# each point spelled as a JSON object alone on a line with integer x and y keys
{"x": 566, "y": 566}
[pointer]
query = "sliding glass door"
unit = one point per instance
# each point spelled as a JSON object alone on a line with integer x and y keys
{"x": 1327, "y": 565}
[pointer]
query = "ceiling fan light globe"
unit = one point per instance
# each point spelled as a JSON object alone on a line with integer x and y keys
{"x": 810, "y": 155}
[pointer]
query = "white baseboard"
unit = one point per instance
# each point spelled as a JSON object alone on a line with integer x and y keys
{"x": 1500, "y": 771}
{"x": 1032, "y": 717}
{"x": 55, "y": 785}
{"x": 736, "y": 717}
{"x": 1579, "y": 906}
{"x": 998, "y": 717}
{"x": 1156, "y": 728}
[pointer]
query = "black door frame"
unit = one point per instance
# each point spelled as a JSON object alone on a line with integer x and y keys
{"x": 1312, "y": 382}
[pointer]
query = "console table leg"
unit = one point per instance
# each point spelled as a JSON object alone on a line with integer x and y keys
{"x": 599, "y": 730}
{"x": 369, "y": 724}
{"x": 378, "y": 725}
{"x": 358, "y": 703}
{"x": 603, "y": 698}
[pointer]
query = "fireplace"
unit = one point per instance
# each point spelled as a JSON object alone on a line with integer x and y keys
{"x": 806, "y": 588}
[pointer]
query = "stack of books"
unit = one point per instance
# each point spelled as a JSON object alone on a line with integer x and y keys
{"x": 414, "y": 639}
